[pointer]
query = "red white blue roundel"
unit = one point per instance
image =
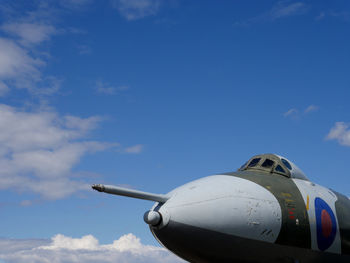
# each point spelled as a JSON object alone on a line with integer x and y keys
{"x": 326, "y": 224}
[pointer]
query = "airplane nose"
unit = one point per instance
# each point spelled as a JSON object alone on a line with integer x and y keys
{"x": 217, "y": 208}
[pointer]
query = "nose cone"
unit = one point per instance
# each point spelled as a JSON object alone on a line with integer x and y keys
{"x": 210, "y": 213}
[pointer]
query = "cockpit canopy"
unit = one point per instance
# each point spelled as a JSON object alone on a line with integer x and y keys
{"x": 273, "y": 163}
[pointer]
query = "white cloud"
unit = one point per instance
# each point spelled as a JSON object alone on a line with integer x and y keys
{"x": 291, "y": 112}
{"x": 123, "y": 88}
{"x": 8, "y": 246}
{"x": 127, "y": 249}
{"x": 321, "y": 16}
{"x": 105, "y": 88}
{"x": 311, "y": 108}
{"x": 280, "y": 10}
{"x": 343, "y": 15}
{"x": 296, "y": 114}
{"x": 84, "y": 50}
{"x": 136, "y": 9}
{"x": 30, "y": 33}
{"x": 16, "y": 62}
{"x": 341, "y": 133}
{"x": 134, "y": 149}
{"x": 62, "y": 242}
{"x": 21, "y": 63}
{"x": 20, "y": 69}
{"x": 39, "y": 149}
{"x": 26, "y": 203}
{"x": 285, "y": 8}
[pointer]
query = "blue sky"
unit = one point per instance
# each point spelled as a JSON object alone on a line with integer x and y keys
{"x": 153, "y": 94}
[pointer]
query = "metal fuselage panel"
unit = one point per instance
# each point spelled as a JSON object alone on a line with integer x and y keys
{"x": 295, "y": 229}
{"x": 342, "y": 206}
{"x": 255, "y": 217}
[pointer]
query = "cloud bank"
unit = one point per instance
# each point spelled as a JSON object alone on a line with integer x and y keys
{"x": 29, "y": 33}
{"x": 21, "y": 62}
{"x": 127, "y": 249}
{"x": 38, "y": 151}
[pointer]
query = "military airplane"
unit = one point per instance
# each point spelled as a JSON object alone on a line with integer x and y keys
{"x": 267, "y": 211}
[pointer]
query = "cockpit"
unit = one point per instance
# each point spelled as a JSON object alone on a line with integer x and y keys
{"x": 273, "y": 163}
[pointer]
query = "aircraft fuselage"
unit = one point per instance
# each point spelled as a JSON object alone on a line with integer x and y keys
{"x": 267, "y": 211}
{"x": 256, "y": 217}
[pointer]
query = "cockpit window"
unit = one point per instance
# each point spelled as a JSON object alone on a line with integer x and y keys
{"x": 254, "y": 162}
{"x": 241, "y": 168}
{"x": 268, "y": 163}
{"x": 273, "y": 164}
{"x": 280, "y": 169}
{"x": 286, "y": 163}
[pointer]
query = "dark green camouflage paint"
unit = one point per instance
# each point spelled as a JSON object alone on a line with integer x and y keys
{"x": 342, "y": 205}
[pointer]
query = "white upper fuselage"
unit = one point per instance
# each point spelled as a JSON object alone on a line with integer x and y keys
{"x": 226, "y": 204}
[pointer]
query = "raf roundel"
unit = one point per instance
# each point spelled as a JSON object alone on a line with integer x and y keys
{"x": 326, "y": 224}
